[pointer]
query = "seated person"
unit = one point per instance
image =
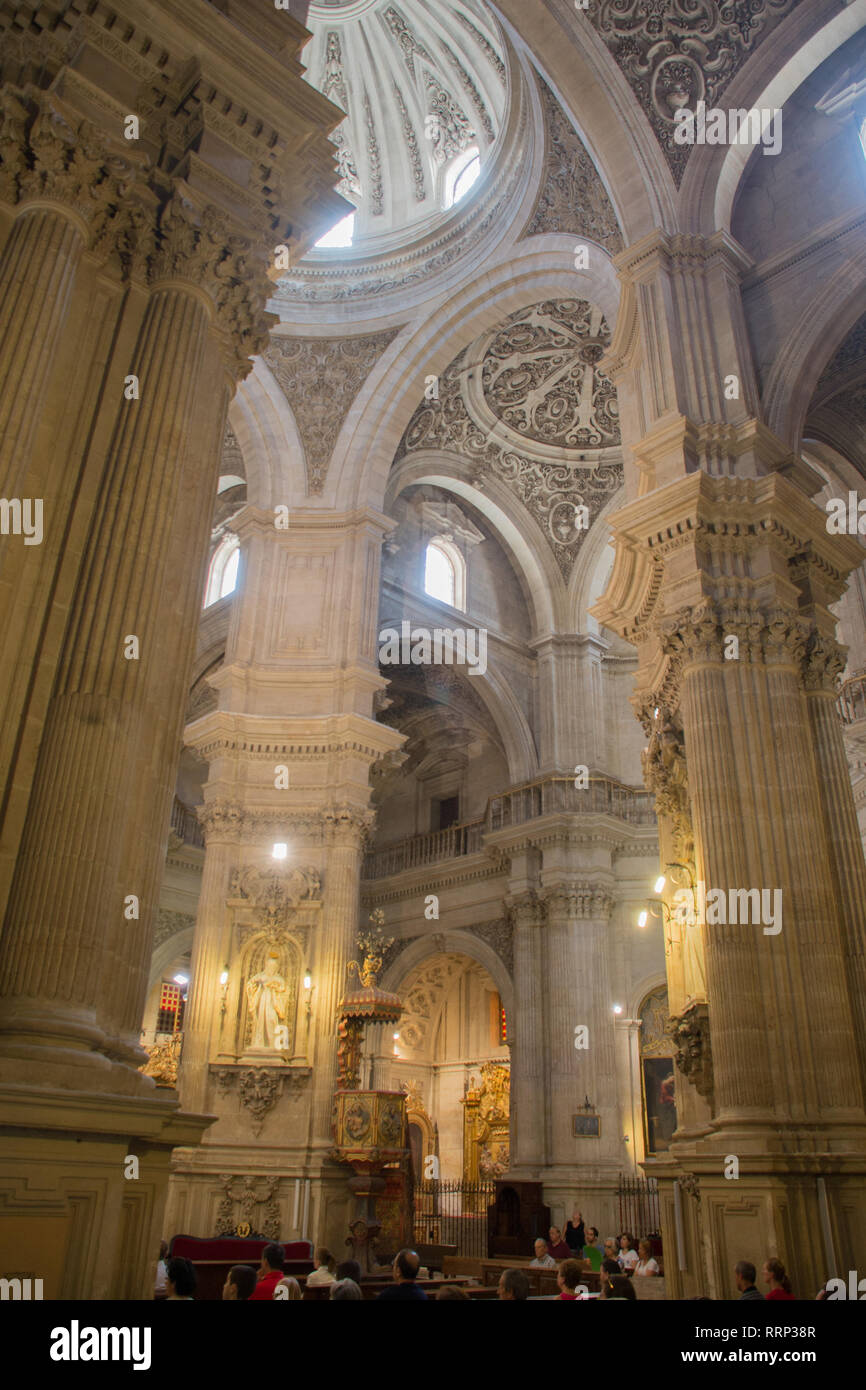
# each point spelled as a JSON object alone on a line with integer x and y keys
{"x": 270, "y": 1273}
{"x": 609, "y": 1252}
{"x": 556, "y": 1246}
{"x": 618, "y": 1286}
{"x": 628, "y": 1256}
{"x": 406, "y": 1266}
{"x": 568, "y": 1279}
{"x": 513, "y": 1286}
{"x": 324, "y": 1273}
{"x": 240, "y": 1283}
{"x": 592, "y": 1250}
{"x": 343, "y": 1290}
{"x": 542, "y": 1259}
{"x": 288, "y": 1290}
{"x": 159, "y": 1286}
{"x": 646, "y": 1264}
{"x": 775, "y": 1277}
{"x": 180, "y": 1280}
{"x": 349, "y": 1269}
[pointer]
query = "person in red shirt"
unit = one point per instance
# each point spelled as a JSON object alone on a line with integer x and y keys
{"x": 556, "y": 1245}
{"x": 568, "y": 1279}
{"x": 270, "y": 1273}
{"x": 774, "y": 1274}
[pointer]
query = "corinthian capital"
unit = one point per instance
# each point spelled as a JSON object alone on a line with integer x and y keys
{"x": 579, "y": 901}
{"x": 200, "y": 245}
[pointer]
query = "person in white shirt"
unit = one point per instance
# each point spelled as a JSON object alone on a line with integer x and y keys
{"x": 324, "y": 1271}
{"x": 628, "y": 1256}
{"x": 542, "y": 1259}
{"x": 646, "y": 1264}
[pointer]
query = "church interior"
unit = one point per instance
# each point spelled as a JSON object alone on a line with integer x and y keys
{"x": 433, "y": 632}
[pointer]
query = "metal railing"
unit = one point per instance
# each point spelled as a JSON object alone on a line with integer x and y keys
{"x": 638, "y": 1206}
{"x": 545, "y": 796}
{"x": 185, "y": 823}
{"x": 851, "y": 700}
{"x": 452, "y": 1212}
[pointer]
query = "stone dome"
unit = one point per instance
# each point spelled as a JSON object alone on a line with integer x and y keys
{"x": 424, "y": 87}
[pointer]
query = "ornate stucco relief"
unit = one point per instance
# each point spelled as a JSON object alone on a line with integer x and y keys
{"x": 572, "y": 197}
{"x": 320, "y": 378}
{"x": 675, "y": 53}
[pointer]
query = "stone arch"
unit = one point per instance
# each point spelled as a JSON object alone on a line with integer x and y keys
{"x": 784, "y": 59}
{"x": 579, "y": 69}
{"x": 457, "y": 942}
{"x": 822, "y": 325}
{"x": 515, "y": 277}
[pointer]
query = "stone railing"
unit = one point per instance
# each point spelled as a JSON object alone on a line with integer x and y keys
{"x": 546, "y": 796}
{"x": 186, "y": 825}
{"x": 851, "y": 701}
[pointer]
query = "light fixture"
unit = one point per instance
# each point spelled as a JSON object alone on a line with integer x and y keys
{"x": 396, "y": 1037}
{"x": 181, "y": 979}
{"x": 659, "y": 883}
{"x": 617, "y": 1008}
{"x": 280, "y": 850}
{"x": 308, "y": 980}
{"x": 224, "y": 978}
{"x": 642, "y": 919}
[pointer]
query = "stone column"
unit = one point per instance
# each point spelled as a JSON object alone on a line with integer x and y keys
{"x": 823, "y": 664}
{"x": 38, "y": 262}
{"x": 118, "y": 705}
{"x": 578, "y": 998}
{"x": 528, "y": 1139}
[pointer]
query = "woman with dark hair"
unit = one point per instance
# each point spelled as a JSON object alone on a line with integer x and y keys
{"x": 774, "y": 1274}
{"x": 575, "y": 1236}
{"x": 618, "y": 1286}
{"x": 180, "y": 1280}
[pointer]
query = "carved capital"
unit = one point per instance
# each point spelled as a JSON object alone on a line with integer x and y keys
{"x": 578, "y": 901}
{"x": 524, "y": 910}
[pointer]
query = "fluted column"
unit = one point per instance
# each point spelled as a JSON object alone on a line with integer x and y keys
{"x": 528, "y": 1139}
{"x": 847, "y": 864}
{"x": 37, "y": 270}
{"x": 341, "y": 892}
{"x": 743, "y": 777}
{"x": 212, "y": 949}
{"x": 84, "y": 851}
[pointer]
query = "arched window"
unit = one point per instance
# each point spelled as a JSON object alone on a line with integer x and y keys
{"x": 223, "y": 573}
{"x": 461, "y": 174}
{"x": 445, "y": 573}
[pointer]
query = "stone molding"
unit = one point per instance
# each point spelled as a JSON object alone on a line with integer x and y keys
{"x": 257, "y": 1191}
{"x": 170, "y": 923}
{"x": 231, "y": 823}
{"x": 690, "y": 1031}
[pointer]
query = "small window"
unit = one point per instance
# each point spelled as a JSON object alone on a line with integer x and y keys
{"x": 169, "y": 1018}
{"x": 445, "y": 573}
{"x": 223, "y": 573}
{"x": 439, "y": 575}
{"x": 460, "y": 175}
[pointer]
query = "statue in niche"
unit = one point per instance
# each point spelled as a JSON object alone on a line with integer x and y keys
{"x": 266, "y": 1000}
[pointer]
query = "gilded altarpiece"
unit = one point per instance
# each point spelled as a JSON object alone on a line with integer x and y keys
{"x": 486, "y": 1112}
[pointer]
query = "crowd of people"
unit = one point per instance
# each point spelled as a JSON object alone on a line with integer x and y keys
{"x": 573, "y": 1253}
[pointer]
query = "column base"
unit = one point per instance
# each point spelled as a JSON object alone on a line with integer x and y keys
{"x": 75, "y": 1210}
{"x": 772, "y": 1208}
